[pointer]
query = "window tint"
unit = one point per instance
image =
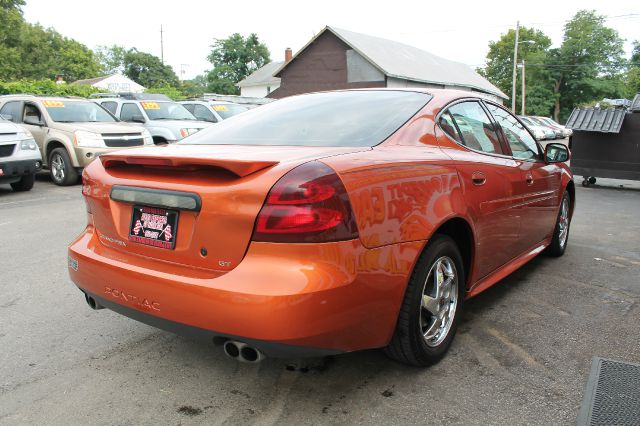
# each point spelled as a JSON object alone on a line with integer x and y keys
{"x": 12, "y": 108}
{"x": 128, "y": 111}
{"x": 31, "y": 111}
{"x": 190, "y": 107}
{"x": 475, "y": 128}
{"x": 110, "y": 106}
{"x": 203, "y": 113}
{"x": 447, "y": 124}
{"x": 520, "y": 140}
{"x": 349, "y": 118}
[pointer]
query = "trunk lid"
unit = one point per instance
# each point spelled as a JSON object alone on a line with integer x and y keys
{"x": 229, "y": 182}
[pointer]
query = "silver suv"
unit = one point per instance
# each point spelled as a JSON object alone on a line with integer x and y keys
{"x": 70, "y": 132}
{"x": 213, "y": 111}
{"x": 19, "y": 156}
{"x": 167, "y": 121}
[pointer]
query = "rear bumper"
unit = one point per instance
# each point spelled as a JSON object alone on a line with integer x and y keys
{"x": 14, "y": 170}
{"x": 288, "y": 300}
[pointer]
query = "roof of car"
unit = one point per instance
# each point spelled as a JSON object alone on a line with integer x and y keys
{"x": 43, "y": 97}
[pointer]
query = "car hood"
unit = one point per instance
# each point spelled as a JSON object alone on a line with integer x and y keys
{"x": 100, "y": 127}
{"x": 9, "y": 127}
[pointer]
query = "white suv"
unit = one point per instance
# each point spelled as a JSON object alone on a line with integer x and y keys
{"x": 20, "y": 157}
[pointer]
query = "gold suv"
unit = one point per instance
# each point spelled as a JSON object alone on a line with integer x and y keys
{"x": 70, "y": 132}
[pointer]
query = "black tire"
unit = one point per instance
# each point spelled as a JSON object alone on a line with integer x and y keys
{"x": 558, "y": 243}
{"x": 408, "y": 344}
{"x": 24, "y": 184}
{"x": 62, "y": 171}
{"x": 592, "y": 180}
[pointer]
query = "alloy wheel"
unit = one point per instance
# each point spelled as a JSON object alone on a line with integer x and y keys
{"x": 57, "y": 167}
{"x": 439, "y": 301}
{"x": 563, "y": 222}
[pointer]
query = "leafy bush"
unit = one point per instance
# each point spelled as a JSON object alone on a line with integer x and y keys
{"x": 170, "y": 91}
{"x": 46, "y": 87}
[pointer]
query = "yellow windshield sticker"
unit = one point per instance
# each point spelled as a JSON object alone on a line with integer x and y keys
{"x": 150, "y": 105}
{"x": 220, "y": 108}
{"x": 53, "y": 104}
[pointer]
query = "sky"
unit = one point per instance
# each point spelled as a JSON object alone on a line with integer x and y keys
{"x": 457, "y": 30}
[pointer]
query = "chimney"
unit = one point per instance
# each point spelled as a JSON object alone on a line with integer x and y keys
{"x": 288, "y": 54}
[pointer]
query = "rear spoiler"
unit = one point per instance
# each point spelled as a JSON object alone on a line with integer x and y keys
{"x": 240, "y": 168}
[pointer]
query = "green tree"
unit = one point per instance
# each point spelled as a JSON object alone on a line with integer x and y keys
{"x": 532, "y": 48}
{"x": 31, "y": 51}
{"x": 111, "y": 58}
{"x": 195, "y": 87}
{"x": 633, "y": 74}
{"x": 147, "y": 70}
{"x": 588, "y": 65}
{"x": 233, "y": 59}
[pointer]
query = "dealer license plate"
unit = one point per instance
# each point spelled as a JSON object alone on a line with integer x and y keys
{"x": 154, "y": 226}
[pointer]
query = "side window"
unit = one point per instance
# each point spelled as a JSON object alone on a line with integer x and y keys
{"x": 11, "y": 108}
{"x": 447, "y": 124}
{"x": 110, "y": 106}
{"x": 128, "y": 111}
{"x": 522, "y": 144}
{"x": 474, "y": 127}
{"x": 189, "y": 107}
{"x": 31, "y": 111}
{"x": 203, "y": 113}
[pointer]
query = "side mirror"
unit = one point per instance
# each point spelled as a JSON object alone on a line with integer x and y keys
{"x": 138, "y": 119}
{"x": 34, "y": 121}
{"x": 556, "y": 153}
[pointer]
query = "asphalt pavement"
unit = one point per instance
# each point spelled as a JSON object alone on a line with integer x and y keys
{"x": 522, "y": 354}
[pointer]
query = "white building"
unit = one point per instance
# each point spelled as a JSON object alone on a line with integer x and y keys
{"x": 114, "y": 83}
{"x": 261, "y": 82}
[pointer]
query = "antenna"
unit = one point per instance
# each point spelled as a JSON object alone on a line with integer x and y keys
{"x": 161, "y": 46}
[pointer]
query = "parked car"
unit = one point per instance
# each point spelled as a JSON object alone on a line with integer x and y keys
{"x": 70, "y": 132}
{"x": 539, "y": 132}
{"x": 322, "y": 223}
{"x": 557, "y": 131}
{"x": 564, "y": 130}
{"x": 19, "y": 156}
{"x": 213, "y": 111}
{"x": 166, "y": 120}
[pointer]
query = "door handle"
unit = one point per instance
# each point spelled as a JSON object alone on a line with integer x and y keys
{"x": 478, "y": 178}
{"x": 529, "y": 178}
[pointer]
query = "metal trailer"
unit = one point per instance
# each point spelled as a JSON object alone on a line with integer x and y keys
{"x": 605, "y": 143}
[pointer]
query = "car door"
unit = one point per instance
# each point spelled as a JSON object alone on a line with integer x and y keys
{"x": 32, "y": 112}
{"x": 489, "y": 178}
{"x": 541, "y": 181}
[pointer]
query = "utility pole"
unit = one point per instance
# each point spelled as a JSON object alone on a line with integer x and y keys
{"x": 515, "y": 63}
{"x": 182, "y": 67}
{"x": 162, "y": 46}
{"x": 523, "y": 87}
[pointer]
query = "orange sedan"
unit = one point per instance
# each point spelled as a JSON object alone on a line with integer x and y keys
{"x": 323, "y": 223}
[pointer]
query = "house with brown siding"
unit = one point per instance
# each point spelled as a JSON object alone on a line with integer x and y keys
{"x": 339, "y": 59}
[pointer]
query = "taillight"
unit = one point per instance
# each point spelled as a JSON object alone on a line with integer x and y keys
{"x": 307, "y": 205}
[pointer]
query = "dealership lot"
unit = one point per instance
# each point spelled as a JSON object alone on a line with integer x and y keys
{"x": 522, "y": 354}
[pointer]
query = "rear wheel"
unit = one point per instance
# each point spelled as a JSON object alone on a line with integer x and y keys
{"x": 561, "y": 232}
{"x": 24, "y": 184}
{"x": 429, "y": 314}
{"x": 62, "y": 171}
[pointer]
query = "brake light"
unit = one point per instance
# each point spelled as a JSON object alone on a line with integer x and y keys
{"x": 309, "y": 204}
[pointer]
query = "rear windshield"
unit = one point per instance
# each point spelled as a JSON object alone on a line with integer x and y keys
{"x": 64, "y": 111}
{"x": 355, "y": 118}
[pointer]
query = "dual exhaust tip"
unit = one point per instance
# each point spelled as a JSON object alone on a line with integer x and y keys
{"x": 236, "y": 350}
{"x": 242, "y": 352}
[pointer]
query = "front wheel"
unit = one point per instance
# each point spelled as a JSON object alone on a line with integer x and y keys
{"x": 432, "y": 303}
{"x": 561, "y": 233}
{"x": 24, "y": 184}
{"x": 62, "y": 171}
